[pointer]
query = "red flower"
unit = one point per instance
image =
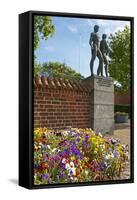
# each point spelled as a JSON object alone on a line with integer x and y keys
{"x": 43, "y": 165}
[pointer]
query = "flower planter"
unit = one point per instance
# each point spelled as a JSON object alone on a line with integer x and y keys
{"x": 121, "y": 118}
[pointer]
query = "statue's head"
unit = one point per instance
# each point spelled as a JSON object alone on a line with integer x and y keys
{"x": 104, "y": 36}
{"x": 96, "y": 28}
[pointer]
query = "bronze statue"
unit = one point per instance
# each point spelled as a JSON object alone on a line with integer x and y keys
{"x": 95, "y": 51}
{"x": 104, "y": 50}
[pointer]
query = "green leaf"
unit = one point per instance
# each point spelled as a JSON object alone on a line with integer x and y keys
{"x": 120, "y": 58}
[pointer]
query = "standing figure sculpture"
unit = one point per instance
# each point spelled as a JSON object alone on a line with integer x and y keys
{"x": 95, "y": 51}
{"x": 104, "y": 50}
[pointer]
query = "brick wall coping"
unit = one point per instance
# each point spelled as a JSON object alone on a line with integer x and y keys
{"x": 59, "y": 83}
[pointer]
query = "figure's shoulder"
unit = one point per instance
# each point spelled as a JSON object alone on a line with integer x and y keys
{"x": 92, "y": 34}
{"x": 103, "y": 42}
{"x": 106, "y": 43}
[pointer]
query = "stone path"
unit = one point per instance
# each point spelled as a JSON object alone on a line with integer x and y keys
{"x": 122, "y": 131}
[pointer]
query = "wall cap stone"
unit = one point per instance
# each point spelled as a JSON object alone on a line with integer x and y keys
{"x": 59, "y": 83}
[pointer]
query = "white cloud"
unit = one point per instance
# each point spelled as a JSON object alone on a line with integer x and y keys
{"x": 89, "y": 21}
{"x": 108, "y": 26}
{"x": 72, "y": 28}
{"x": 100, "y": 22}
{"x": 121, "y": 27}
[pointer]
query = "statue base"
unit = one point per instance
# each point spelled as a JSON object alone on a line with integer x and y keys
{"x": 102, "y": 103}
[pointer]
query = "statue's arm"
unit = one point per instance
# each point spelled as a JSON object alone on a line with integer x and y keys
{"x": 91, "y": 39}
{"x": 107, "y": 48}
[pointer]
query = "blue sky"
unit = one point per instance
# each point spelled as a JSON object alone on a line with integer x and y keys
{"x": 70, "y": 42}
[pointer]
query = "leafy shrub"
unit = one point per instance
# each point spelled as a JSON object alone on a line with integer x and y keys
{"x": 121, "y": 113}
{"x": 122, "y": 108}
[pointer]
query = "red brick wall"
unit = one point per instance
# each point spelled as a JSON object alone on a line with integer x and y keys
{"x": 58, "y": 107}
{"x": 123, "y": 99}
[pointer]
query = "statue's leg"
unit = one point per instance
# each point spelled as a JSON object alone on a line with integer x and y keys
{"x": 106, "y": 70}
{"x": 106, "y": 65}
{"x": 93, "y": 53}
{"x": 91, "y": 66}
{"x": 100, "y": 66}
{"x": 98, "y": 70}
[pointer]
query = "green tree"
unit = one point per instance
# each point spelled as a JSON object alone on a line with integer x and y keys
{"x": 58, "y": 70}
{"x": 120, "y": 58}
{"x": 43, "y": 28}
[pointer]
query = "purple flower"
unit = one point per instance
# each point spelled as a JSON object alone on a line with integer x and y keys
{"x": 102, "y": 165}
{"x": 113, "y": 140}
{"x": 62, "y": 165}
{"x": 84, "y": 143}
{"x": 45, "y": 176}
{"x": 77, "y": 152}
{"x": 116, "y": 154}
{"x": 78, "y": 140}
{"x": 36, "y": 166}
{"x": 87, "y": 137}
{"x": 62, "y": 174}
{"x": 43, "y": 146}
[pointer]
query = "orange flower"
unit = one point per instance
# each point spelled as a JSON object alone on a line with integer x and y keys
{"x": 78, "y": 172}
{"x": 43, "y": 165}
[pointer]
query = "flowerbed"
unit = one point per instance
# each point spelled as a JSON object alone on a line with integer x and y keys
{"x": 76, "y": 155}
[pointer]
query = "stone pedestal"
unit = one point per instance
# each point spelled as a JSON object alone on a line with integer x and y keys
{"x": 102, "y": 103}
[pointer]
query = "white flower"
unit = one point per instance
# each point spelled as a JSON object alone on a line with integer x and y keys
{"x": 86, "y": 172}
{"x": 106, "y": 164}
{"x": 48, "y": 146}
{"x": 73, "y": 171}
{"x": 112, "y": 155}
{"x": 64, "y": 160}
{"x": 71, "y": 164}
{"x": 70, "y": 167}
{"x": 53, "y": 150}
{"x": 109, "y": 156}
{"x": 73, "y": 133}
{"x": 99, "y": 134}
{"x": 67, "y": 166}
{"x": 65, "y": 133}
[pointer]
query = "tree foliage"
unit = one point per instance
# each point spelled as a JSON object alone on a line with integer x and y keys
{"x": 43, "y": 28}
{"x": 120, "y": 58}
{"x": 58, "y": 70}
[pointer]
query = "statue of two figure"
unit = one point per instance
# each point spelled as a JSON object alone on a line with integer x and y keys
{"x": 98, "y": 49}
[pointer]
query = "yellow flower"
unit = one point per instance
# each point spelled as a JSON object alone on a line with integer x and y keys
{"x": 79, "y": 161}
{"x": 72, "y": 158}
{"x": 36, "y": 147}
